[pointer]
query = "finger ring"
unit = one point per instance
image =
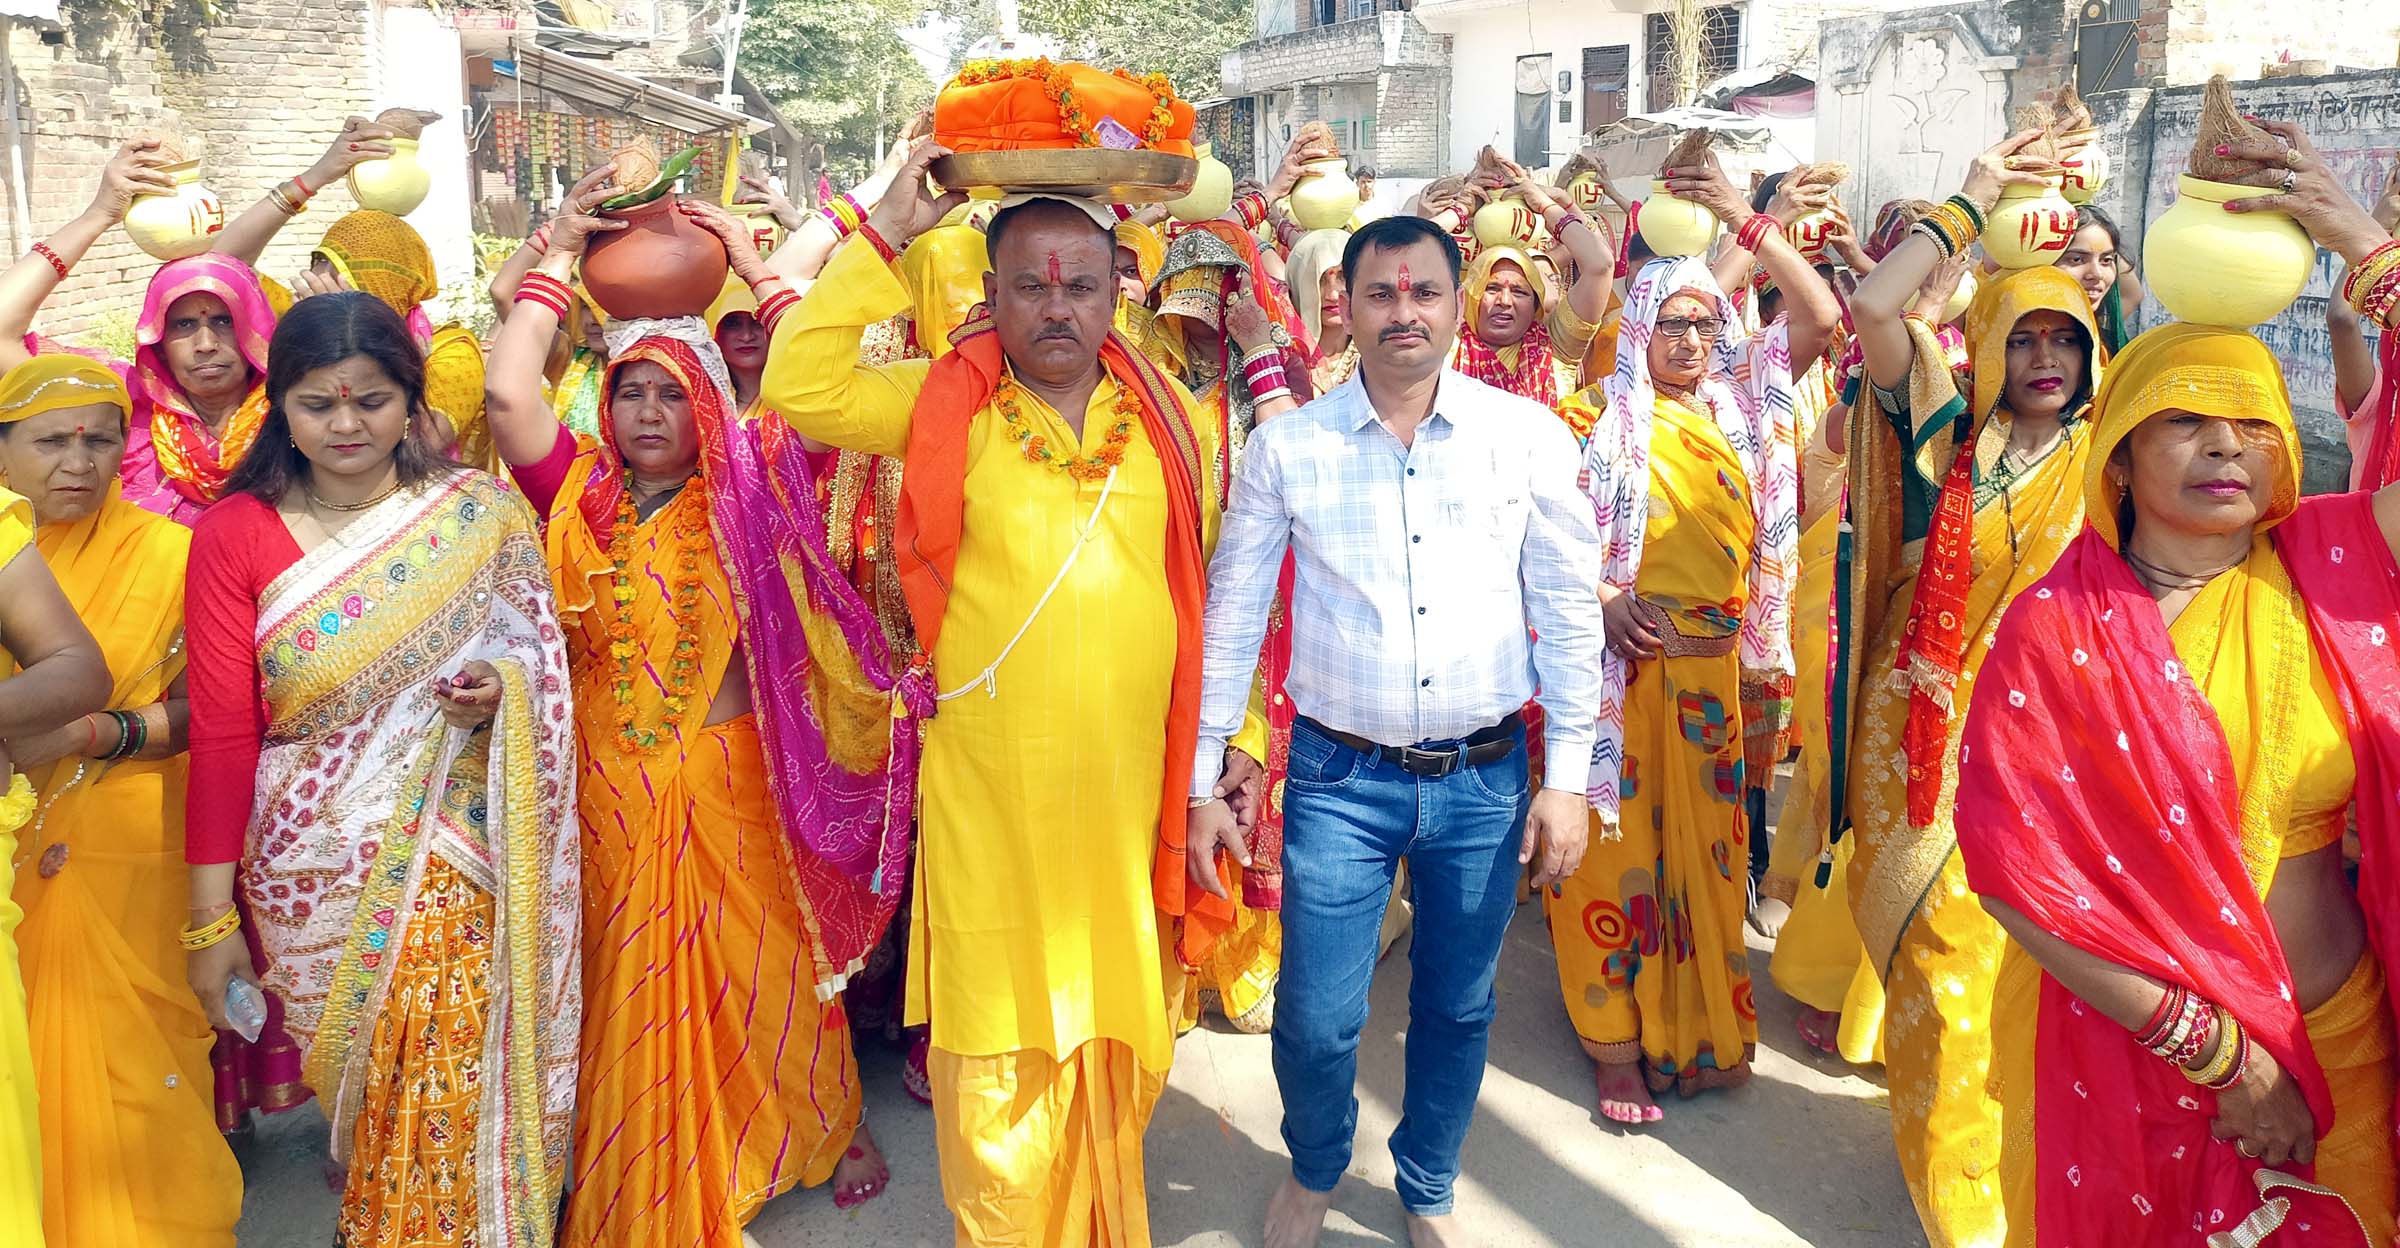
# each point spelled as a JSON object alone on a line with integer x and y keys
{"x": 2291, "y": 180}
{"x": 2245, "y": 1149}
{"x": 2292, "y": 157}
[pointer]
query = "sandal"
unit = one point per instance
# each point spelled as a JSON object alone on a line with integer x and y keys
{"x": 912, "y": 1071}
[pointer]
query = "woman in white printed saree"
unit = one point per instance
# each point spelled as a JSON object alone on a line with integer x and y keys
{"x": 406, "y": 851}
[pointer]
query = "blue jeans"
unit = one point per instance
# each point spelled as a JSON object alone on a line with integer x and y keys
{"x": 1348, "y": 819}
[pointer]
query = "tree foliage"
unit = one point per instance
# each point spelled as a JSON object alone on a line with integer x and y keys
{"x": 821, "y": 61}
{"x": 1182, "y": 38}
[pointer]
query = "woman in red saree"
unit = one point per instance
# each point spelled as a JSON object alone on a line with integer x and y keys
{"x": 2152, "y": 797}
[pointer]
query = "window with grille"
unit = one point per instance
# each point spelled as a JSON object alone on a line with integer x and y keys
{"x": 1720, "y": 51}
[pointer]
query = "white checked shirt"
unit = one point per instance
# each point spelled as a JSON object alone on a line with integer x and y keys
{"x": 1419, "y": 570}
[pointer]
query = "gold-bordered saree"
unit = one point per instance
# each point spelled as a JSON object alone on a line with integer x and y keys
{"x": 362, "y": 783}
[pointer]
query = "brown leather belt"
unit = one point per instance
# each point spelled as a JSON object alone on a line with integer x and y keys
{"x": 1487, "y": 745}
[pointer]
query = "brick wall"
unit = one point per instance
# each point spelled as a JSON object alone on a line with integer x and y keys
{"x": 279, "y": 78}
{"x": 1412, "y": 122}
{"x": 1344, "y": 50}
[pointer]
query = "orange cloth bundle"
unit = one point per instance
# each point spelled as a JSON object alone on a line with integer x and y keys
{"x": 1004, "y": 106}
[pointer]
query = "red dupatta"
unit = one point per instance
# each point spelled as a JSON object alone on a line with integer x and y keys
{"x": 2096, "y": 797}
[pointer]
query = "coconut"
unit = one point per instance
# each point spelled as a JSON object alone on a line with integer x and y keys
{"x": 406, "y": 123}
{"x": 2222, "y": 124}
{"x": 1691, "y": 150}
{"x": 171, "y": 146}
{"x": 637, "y": 165}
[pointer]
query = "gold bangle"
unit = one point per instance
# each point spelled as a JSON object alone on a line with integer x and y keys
{"x": 2229, "y": 1047}
{"x": 212, "y": 933}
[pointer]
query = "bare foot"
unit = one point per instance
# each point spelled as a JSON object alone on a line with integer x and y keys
{"x": 1625, "y": 1095}
{"x": 861, "y": 1175}
{"x": 1769, "y": 915}
{"x": 1436, "y": 1231}
{"x": 1820, "y": 1030}
{"x": 1296, "y": 1216}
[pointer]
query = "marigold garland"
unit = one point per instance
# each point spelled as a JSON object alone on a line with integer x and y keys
{"x": 1093, "y": 467}
{"x": 690, "y": 534}
{"x": 1071, "y": 117}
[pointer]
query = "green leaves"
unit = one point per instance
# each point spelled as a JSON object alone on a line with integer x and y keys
{"x": 668, "y": 174}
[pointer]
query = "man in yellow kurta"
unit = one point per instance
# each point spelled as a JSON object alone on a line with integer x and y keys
{"x": 1048, "y": 466}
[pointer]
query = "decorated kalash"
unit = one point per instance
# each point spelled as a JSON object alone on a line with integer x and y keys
{"x": 1057, "y": 506}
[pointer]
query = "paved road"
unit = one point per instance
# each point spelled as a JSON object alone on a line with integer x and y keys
{"x": 1801, "y": 1155}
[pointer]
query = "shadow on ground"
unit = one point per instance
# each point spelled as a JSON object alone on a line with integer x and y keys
{"x": 1800, "y": 1155}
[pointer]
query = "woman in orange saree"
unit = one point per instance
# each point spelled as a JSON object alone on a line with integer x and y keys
{"x": 370, "y": 636}
{"x": 745, "y": 791}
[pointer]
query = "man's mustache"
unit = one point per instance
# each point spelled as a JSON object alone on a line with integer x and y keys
{"x": 1066, "y": 332}
{"x": 1402, "y": 331}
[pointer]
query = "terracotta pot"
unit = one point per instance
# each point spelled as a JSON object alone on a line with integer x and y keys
{"x": 185, "y": 223}
{"x": 2029, "y": 227}
{"x": 1210, "y": 196}
{"x": 1326, "y": 196}
{"x": 661, "y": 264}
{"x": 2213, "y": 267}
{"x": 2085, "y": 174}
{"x": 395, "y": 184}
{"x": 1674, "y": 226}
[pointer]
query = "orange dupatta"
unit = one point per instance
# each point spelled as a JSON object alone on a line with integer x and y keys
{"x": 933, "y": 502}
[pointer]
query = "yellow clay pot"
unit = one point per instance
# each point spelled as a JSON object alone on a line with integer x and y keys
{"x": 2231, "y": 269}
{"x": 1959, "y": 298}
{"x": 395, "y": 184}
{"x": 1211, "y": 194}
{"x": 1807, "y": 236}
{"x": 1506, "y": 223}
{"x": 1326, "y": 196}
{"x": 170, "y": 227}
{"x": 2029, "y": 227}
{"x": 2085, "y": 174}
{"x": 1674, "y": 226}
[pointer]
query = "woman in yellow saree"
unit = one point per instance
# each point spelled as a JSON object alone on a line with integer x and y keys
{"x": 2264, "y": 614}
{"x": 405, "y": 850}
{"x": 1959, "y": 502}
{"x": 132, "y": 1155}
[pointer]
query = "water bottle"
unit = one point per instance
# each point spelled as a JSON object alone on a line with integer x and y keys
{"x": 245, "y": 1008}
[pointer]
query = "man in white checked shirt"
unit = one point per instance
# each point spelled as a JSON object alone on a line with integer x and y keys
{"x": 1435, "y": 520}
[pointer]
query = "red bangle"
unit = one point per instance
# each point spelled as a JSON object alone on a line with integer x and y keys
{"x": 1755, "y": 230}
{"x": 875, "y": 240}
{"x": 547, "y": 291}
{"x": 43, "y": 250}
{"x": 541, "y": 239}
{"x": 2169, "y": 1004}
{"x": 1251, "y": 209}
{"x": 772, "y": 308}
{"x": 302, "y": 187}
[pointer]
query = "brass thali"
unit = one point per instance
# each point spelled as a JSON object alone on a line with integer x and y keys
{"x": 1106, "y": 174}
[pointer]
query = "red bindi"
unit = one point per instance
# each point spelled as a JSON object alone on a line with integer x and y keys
{"x": 1404, "y": 282}
{"x": 1055, "y": 278}
{"x": 345, "y": 389}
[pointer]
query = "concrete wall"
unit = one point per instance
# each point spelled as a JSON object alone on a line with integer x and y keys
{"x": 420, "y": 67}
{"x": 1484, "y": 46}
{"x": 1387, "y": 68}
{"x": 1908, "y": 100}
{"x": 278, "y": 78}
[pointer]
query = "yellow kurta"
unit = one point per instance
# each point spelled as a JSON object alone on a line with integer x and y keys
{"x": 1032, "y": 933}
{"x": 2243, "y": 638}
{"x": 1936, "y": 947}
{"x": 132, "y": 1155}
{"x": 20, "y": 1133}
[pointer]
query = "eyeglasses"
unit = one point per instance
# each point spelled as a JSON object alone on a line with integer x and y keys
{"x": 1711, "y": 328}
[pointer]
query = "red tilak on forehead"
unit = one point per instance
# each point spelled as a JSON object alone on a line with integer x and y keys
{"x": 345, "y": 389}
{"x": 1404, "y": 282}
{"x": 1055, "y": 278}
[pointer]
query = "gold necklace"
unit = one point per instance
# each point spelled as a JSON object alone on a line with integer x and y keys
{"x": 315, "y": 501}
